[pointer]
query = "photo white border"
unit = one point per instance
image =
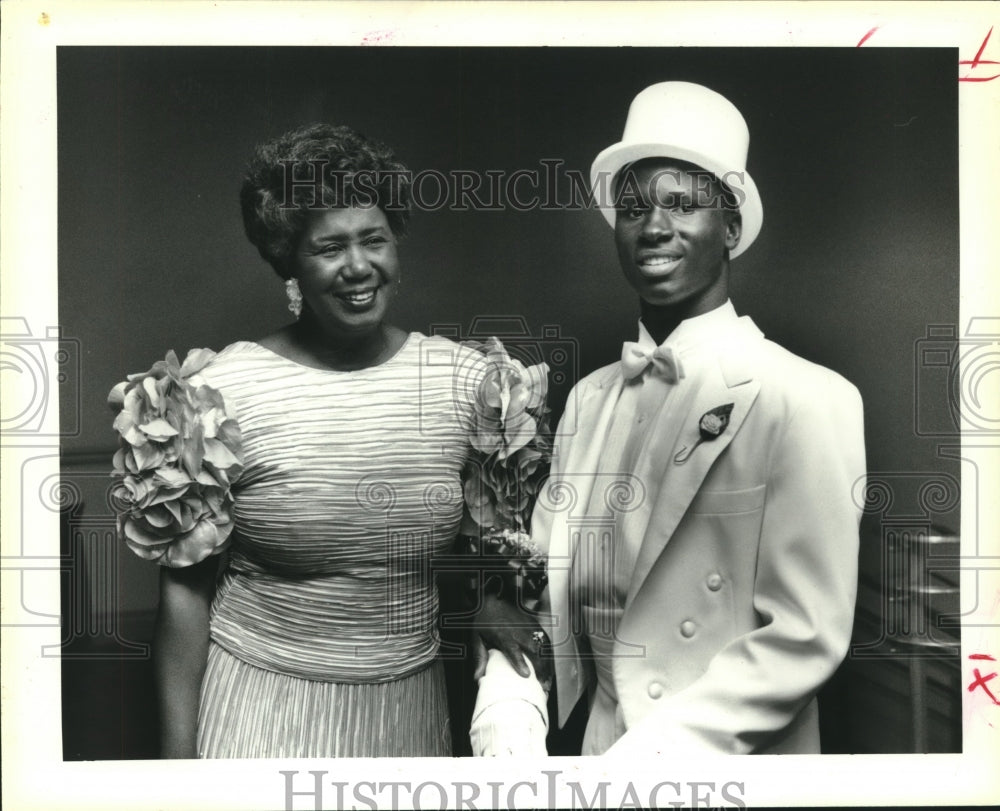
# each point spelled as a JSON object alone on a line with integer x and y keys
{"x": 36, "y": 776}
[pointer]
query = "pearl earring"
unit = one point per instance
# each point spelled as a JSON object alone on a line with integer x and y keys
{"x": 294, "y": 297}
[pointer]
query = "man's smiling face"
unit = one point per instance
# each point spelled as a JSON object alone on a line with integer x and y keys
{"x": 673, "y": 235}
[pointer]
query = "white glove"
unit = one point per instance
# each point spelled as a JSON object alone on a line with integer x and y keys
{"x": 511, "y": 716}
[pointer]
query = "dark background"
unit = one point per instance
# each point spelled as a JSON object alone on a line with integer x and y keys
{"x": 855, "y": 152}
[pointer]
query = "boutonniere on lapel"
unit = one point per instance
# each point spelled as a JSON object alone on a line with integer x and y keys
{"x": 712, "y": 425}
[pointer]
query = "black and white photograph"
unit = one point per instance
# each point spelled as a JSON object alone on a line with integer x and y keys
{"x": 506, "y": 424}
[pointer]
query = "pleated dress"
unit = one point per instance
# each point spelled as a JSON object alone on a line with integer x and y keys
{"x": 323, "y": 633}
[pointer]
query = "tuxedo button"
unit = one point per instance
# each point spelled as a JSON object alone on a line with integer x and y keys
{"x": 714, "y": 582}
{"x": 687, "y": 629}
{"x": 655, "y": 689}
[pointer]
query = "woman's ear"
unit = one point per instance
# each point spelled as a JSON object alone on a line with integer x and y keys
{"x": 283, "y": 267}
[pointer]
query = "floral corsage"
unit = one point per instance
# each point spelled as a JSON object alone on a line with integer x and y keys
{"x": 513, "y": 447}
{"x": 180, "y": 451}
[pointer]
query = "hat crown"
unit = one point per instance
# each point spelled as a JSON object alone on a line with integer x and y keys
{"x": 693, "y": 120}
{"x": 691, "y": 123}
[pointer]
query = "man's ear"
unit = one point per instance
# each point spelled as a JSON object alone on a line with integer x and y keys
{"x": 734, "y": 229}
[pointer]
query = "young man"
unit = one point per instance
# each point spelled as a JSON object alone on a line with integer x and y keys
{"x": 700, "y": 521}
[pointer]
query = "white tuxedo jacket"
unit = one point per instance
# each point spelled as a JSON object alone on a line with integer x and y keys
{"x": 742, "y": 598}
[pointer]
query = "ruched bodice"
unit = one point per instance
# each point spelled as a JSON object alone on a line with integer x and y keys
{"x": 351, "y": 485}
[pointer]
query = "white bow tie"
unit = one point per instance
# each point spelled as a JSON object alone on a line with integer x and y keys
{"x": 665, "y": 362}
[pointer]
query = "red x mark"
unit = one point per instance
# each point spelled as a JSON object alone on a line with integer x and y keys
{"x": 980, "y": 678}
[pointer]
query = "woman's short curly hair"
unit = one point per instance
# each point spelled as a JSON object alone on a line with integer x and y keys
{"x": 312, "y": 168}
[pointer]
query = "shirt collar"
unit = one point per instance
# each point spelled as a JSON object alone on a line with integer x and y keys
{"x": 696, "y": 331}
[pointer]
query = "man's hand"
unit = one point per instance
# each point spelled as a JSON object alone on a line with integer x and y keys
{"x": 516, "y": 634}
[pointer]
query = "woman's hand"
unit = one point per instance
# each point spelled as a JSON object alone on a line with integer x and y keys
{"x": 515, "y": 633}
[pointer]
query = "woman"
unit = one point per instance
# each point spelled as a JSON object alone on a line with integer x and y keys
{"x": 318, "y": 639}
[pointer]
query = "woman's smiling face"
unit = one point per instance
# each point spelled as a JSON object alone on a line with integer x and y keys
{"x": 347, "y": 268}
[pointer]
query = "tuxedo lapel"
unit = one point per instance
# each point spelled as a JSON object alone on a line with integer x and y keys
{"x": 582, "y": 459}
{"x": 553, "y": 522}
{"x": 678, "y": 439}
{"x": 568, "y": 493}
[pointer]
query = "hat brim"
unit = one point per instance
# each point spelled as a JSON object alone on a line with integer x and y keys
{"x": 607, "y": 165}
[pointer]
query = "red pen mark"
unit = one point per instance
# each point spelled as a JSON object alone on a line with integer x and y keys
{"x": 973, "y": 63}
{"x": 376, "y": 37}
{"x": 977, "y": 61}
{"x": 864, "y": 39}
{"x": 980, "y": 679}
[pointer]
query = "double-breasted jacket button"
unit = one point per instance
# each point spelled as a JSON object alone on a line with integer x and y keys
{"x": 655, "y": 689}
{"x": 687, "y": 629}
{"x": 714, "y": 581}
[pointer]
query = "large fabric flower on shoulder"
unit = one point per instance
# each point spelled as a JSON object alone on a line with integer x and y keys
{"x": 180, "y": 451}
{"x": 509, "y": 400}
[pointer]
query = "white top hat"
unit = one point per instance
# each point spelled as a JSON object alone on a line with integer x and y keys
{"x": 691, "y": 123}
